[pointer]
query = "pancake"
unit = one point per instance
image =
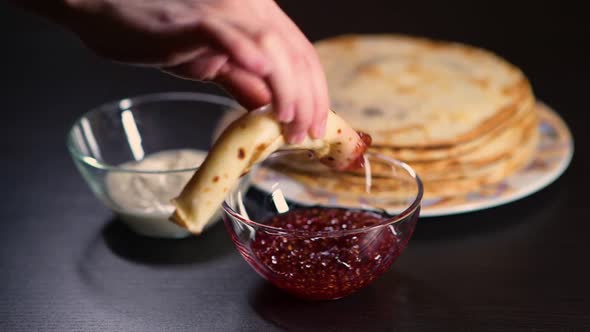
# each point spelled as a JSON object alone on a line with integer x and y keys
{"x": 431, "y": 154}
{"x": 499, "y": 148}
{"x": 353, "y": 184}
{"x": 496, "y": 150}
{"x": 411, "y": 92}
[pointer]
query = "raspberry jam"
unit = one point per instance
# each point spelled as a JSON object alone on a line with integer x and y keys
{"x": 328, "y": 265}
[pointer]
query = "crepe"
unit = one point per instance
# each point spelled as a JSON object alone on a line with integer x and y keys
{"x": 247, "y": 141}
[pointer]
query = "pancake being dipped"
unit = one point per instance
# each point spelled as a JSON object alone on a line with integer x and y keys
{"x": 247, "y": 141}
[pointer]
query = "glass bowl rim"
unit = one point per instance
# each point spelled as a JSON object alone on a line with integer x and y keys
{"x": 385, "y": 223}
{"x": 126, "y": 103}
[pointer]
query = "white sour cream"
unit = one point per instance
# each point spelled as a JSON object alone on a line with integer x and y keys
{"x": 142, "y": 200}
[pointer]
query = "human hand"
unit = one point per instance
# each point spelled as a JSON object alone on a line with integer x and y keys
{"x": 250, "y": 47}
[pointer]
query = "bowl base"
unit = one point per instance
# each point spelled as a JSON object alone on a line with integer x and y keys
{"x": 154, "y": 227}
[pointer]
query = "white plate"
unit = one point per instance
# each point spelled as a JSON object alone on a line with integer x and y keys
{"x": 553, "y": 156}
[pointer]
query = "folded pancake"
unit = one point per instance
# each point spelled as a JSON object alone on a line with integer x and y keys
{"x": 247, "y": 141}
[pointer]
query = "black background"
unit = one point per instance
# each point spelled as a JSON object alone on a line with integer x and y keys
{"x": 65, "y": 264}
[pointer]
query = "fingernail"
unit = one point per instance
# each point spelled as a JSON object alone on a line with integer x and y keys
{"x": 296, "y": 139}
{"x": 319, "y": 130}
{"x": 322, "y": 129}
{"x": 325, "y": 122}
{"x": 287, "y": 115}
{"x": 291, "y": 139}
{"x": 315, "y": 132}
{"x": 300, "y": 137}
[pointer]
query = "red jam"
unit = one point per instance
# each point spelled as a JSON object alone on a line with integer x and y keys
{"x": 326, "y": 266}
{"x": 362, "y": 146}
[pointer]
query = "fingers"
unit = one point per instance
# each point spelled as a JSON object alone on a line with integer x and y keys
{"x": 297, "y": 130}
{"x": 241, "y": 47}
{"x": 312, "y": 99}
{"x": 205, "y": 65}
{"x": 281, "y": 79}
{"x": 249, "y": 90}
{"x": 313, "y": 87}
{"x": 294, "y": 62}
{"x": 279, "y": 65}
{"x": 321, "y": 101}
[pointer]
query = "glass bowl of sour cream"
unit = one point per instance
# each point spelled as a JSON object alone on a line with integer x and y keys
{"x": 136, "y": 154}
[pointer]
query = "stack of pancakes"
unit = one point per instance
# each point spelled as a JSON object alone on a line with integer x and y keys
{"x": 462, "y": 117}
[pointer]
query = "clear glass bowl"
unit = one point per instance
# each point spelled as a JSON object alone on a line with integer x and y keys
{"x": 107, "y": 143}
{"x": 327, "y": 250}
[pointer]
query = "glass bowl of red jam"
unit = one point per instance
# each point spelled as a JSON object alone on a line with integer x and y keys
{"x": 325, "y": 240}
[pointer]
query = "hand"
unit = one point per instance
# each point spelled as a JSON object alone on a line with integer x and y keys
{"x": 250, "y": 47}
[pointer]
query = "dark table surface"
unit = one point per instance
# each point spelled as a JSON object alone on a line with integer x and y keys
{"x": 66, "y": 264}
